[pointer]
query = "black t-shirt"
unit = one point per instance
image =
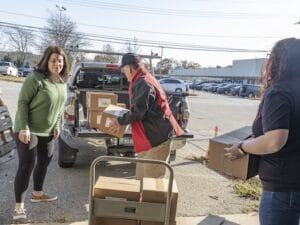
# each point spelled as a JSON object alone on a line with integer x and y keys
{"x": 280, "y": 109}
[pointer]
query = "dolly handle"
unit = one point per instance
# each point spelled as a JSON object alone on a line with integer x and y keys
{"x": 131, "y": 160}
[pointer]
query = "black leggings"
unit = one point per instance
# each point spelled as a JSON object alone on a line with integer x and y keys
{"x": 40, "y": 148}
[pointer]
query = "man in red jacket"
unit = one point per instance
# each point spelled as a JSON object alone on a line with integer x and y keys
{"x": 152, "y": 123}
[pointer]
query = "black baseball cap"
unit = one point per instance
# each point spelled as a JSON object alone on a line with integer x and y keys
{"x": 129, "y": 58}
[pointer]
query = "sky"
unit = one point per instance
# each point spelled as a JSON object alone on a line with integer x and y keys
{"x": 235, "y": 24}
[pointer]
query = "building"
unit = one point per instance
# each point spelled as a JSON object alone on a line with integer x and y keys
{"x": 245, "y": 71}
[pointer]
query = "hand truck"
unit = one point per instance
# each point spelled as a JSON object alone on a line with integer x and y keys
{"x": 158, "y": 212}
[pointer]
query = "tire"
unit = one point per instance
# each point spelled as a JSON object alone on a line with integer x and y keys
{"x": 65, "y": 165}
{"x": 178, "y": 90}
{"x": 66, "y": 154}
{"x": 250, "y": 95}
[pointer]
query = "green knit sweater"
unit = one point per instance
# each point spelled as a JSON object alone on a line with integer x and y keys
{"x": 40, "y": 105}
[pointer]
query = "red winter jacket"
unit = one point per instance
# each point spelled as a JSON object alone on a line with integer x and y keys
{"x": 150, "y": 116}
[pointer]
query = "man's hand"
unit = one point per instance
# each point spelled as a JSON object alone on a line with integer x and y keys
{"x": 234, "y": 152}
{"x": 56, "y": 133}
{"x": 115, "y": 127}
{"x": 24, "y": 136}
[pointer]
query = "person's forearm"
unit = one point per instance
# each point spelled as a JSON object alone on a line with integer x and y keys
{"x": 268, "y": 143}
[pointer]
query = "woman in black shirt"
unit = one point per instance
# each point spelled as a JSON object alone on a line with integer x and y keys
{"x": 277, "y": 137}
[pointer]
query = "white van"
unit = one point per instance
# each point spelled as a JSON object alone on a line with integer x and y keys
{"x": 8, "y": 68}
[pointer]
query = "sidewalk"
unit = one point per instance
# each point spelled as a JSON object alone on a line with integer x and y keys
{"x": 242, "y": 219}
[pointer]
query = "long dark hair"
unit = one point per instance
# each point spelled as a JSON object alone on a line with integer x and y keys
{"x": 283, "y": 63}
{"x": 42, "y": 66}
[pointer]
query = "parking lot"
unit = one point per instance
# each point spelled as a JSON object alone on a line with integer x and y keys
{"x": 201, "y": 190}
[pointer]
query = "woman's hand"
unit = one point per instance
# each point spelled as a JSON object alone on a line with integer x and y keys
{"x": 234, "y": 152}
{"x": 24, "y": 136}
{"x": 56, "y": 133}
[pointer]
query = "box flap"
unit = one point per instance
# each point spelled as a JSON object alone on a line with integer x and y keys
{"x": 115, "y": 110}
{"x": 234, "y": 136}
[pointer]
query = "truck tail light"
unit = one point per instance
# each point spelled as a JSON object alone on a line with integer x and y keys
{"x": 69, "y": 112}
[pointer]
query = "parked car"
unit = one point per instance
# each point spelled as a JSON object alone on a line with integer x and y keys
{"x": 214, "y": 88}
{"x": 20, "y": 72}
{"x": 8, "y": 68}
{"x": 200, "y": 85}
{"x": 195, "y": 83}
{"x": 250, "y": 90}
{"x": 173, "y": 85}
{"x": 209, "y": 87}
{"x": 225, "y": 89}
{"x": 27, "y": 70}
{"x": 235, "y": 90}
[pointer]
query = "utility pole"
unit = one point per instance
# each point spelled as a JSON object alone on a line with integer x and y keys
{"x": 60, "y": 9}
{"x": 162, "y": 51}
{"x": 152, "y": 55}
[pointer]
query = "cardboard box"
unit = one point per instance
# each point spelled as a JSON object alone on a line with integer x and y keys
{"x": 111, "y": 221}
{"x": 122, "y": 105}
{"x": 111, "y": 187}
{"x": 243, "y": 168}
{"x": 110, "y": 112}
{"x": 116, "y": 188}
{"x": 100, "y": 100}
{"x": 155, "y": 190}
{"x": 94, "y": 118}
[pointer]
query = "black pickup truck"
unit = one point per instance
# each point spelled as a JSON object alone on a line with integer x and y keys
{"x": 105, "y": 77}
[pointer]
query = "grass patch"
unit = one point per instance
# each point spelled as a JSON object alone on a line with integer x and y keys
{"x": 248, "y": 189}
{"x": 12, "y": 79}
{"x": 193, "y": 157}
{"x": 250, "y": 209}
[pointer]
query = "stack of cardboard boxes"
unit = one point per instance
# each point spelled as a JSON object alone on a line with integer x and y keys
{"x": 96, "y": 103}
{"x": 119, "y": 189}
{"x": 101, "y": 108}
{"x": 150, "y": 191}
{"x": 155, "y": 190}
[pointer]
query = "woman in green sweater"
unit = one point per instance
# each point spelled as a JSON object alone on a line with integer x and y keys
{"x": 40, "y": 105}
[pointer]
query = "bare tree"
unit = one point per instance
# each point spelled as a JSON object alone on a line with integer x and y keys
{"x": 166, "y": 65}
{"x": 132, "y": 46}
{"x": 61, "y": 31}
{"x": 20, "y": 40}
{"x": 189, "y": 64}
{"x": 107, "y": 57}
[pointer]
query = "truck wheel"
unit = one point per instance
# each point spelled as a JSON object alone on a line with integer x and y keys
{"x": 250, "y": 95}
{"x": 66, "y": 154}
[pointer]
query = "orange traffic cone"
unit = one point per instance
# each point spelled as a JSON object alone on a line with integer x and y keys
{"x": 216, "y": 131}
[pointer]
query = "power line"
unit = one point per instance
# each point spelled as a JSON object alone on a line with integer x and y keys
{"x": 162, "y": 11}
{"x": 146, "y": 43}
{"x": 153, "y": 32}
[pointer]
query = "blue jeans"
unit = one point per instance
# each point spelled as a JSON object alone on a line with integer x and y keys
{"x": 279, "y": 208}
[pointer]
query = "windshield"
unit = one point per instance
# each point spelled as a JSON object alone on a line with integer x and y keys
{"x": 103, "y": 78}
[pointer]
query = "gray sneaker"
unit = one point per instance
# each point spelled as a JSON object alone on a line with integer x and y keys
{"x": 19, "y": 215}
{"x": 42, "y": 198}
